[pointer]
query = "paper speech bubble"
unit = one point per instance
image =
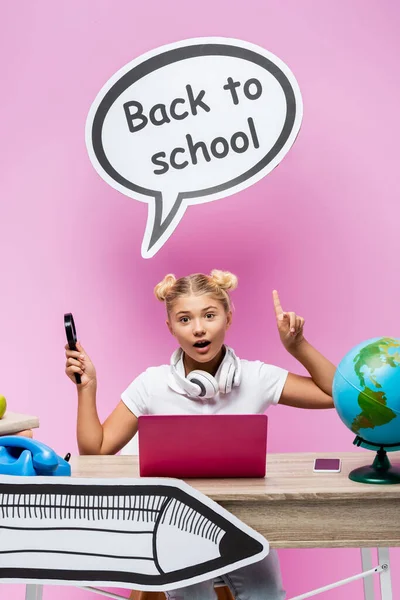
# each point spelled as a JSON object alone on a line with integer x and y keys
{"x": 192, "y": 122}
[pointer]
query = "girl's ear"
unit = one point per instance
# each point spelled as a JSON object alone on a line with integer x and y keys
{"x": 228, "y": 319}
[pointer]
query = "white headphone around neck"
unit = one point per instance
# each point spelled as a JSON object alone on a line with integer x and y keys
{"x": 200, "y": 384}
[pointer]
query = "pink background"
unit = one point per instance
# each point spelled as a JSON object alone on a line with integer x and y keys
{"x": 322, "y": 228}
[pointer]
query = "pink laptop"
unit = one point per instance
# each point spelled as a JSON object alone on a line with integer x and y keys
{"x": 192, "y": 446}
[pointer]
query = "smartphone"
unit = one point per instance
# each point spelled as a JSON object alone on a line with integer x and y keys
{"x": 327, "y": 465}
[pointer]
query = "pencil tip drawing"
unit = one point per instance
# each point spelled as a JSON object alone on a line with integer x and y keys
{"x": 154, "y": 534}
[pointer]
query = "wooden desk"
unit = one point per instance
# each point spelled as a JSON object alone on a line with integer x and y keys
{"x": 293, "y": 507}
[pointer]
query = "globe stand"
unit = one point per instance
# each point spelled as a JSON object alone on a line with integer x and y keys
{"x": 381, "y": 471}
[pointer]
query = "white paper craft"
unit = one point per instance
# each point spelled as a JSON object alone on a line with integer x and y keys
{"x": 192, "y": 122}
{"x": 153, "y": 534}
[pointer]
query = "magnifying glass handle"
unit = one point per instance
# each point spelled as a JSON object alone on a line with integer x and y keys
{"x": 77, "y": 375}
{"x": 70, "y": 330}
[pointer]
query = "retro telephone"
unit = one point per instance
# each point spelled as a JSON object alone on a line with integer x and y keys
{"x": 24, "y": 456}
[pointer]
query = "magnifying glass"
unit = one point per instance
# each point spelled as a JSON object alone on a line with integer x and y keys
{"x": 70, "y": 330}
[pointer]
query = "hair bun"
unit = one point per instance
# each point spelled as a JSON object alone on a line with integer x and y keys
{"x": 224, "y": 279}
{"x": 163, "y": 288}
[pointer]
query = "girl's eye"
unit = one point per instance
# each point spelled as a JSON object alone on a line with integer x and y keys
{"x": 210, "y": 315}
{"x": 184, "y": 319}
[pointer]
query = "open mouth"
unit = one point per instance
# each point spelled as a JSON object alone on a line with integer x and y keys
{"x": 202, "y": 344}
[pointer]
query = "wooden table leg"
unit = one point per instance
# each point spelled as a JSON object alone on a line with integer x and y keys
{"x": 366, "y": 561}
{"x": 33, "y": 591}
{"x": 385, "y": 578}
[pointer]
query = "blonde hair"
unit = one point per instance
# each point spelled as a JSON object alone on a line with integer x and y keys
{"x": 216, "y": 284}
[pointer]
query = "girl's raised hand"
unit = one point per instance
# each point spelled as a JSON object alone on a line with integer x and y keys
{"x": 79, "y": 362}
{"x": 290, "y": 325}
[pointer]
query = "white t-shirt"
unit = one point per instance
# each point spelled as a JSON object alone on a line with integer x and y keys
{"x": 260, "y": 386}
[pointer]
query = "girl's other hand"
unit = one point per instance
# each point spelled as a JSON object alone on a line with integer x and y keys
{"x": 79, "y": 362}
{"x": 290, "y": 325}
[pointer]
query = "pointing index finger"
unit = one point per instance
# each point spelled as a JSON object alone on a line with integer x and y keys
{"x": 277, "y": 304}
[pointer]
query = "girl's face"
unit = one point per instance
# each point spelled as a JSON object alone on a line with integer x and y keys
{"x": 199, "y": 324}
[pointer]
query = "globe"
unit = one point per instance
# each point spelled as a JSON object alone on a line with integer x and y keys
{"x": 366, "y": 394}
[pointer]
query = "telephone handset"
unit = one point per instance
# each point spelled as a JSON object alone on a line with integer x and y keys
{"x": 24, "y": 456}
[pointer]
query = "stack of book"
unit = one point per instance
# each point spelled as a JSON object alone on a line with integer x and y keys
{"x": 13, "y": 423}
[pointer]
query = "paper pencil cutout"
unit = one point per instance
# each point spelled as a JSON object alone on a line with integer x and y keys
{"x": 152, "y": 534}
